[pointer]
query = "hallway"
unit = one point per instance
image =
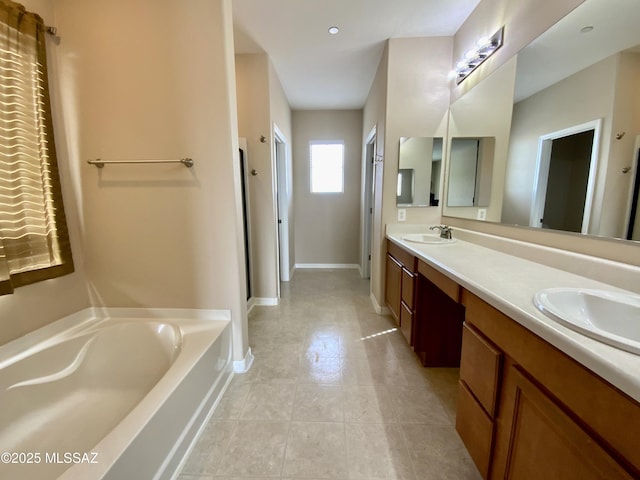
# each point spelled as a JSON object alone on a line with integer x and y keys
{"x": 335, "y": 392}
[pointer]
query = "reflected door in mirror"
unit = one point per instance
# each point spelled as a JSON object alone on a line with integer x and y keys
{"x": 419, "y": 172}
{"x": 470, "y": 171}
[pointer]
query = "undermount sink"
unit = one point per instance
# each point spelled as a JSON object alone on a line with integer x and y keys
{"x": 609, "y": 317}
{"x": 427, "y": 238}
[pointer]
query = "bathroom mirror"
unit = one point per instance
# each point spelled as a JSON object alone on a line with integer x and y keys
{"x": 579, "y": 77}
{"x": 419, "y": 172}
{"x": 470, "y": 170}
{"x": 478, "y": 140}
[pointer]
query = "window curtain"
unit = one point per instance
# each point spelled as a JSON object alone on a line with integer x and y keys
{"x": 34, "y": 241}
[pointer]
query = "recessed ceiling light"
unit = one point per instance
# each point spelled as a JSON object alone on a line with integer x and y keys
{"x": 586, "y": 29}
{"x": 333, "y": 30}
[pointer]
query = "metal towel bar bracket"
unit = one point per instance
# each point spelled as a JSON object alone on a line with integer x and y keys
{"x": 99, "y": 163}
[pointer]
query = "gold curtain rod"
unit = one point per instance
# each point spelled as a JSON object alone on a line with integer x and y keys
{"x": 100, "y": 163}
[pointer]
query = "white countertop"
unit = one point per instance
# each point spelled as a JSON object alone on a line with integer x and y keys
{"x": 508, "y": 283}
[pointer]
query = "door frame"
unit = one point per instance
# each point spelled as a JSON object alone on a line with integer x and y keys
{"x": 282, "y": 205}
{"x": 242, "y": 142}
{"x": 368, "y": 204}
{"x": 631, "y": 208}
{"x": 543, "y": 162}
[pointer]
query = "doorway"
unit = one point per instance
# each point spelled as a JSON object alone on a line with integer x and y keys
{"x": 246, "y": 220}
{"x": 282, "y": 205}
{"x": 633, "y": 223}
{"x": 368, "y": 204}
{"x": 565, "y": 178}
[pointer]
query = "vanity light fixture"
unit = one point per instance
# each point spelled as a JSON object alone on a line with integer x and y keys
{"x": 333, "y": 30}
{"x": 485, "y": 47}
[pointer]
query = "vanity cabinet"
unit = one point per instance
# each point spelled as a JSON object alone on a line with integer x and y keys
{"x": 438, "y": 319}
{"x": 526, "y": 410}
{"x": 478, "y": 392}
{"x": 400, "y": 288}
{"x": 393, "y": 286}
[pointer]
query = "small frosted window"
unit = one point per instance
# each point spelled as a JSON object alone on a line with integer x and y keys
{"x": 327, "y": 167}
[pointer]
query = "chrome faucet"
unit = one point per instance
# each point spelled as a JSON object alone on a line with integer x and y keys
{"x": 445, "y": 231}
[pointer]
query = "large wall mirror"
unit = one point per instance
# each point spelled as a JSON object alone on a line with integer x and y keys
{"x": 478, "y": 139}
{"x": 419, "y": 172}
{"x": 574, "y": 140}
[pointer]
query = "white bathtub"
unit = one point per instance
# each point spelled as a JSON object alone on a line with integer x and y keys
{"x": 115, "y": 395}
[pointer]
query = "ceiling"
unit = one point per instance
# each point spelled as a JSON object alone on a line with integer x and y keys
{"x": 564, "y": 49}
{"x": 321, "y": 71}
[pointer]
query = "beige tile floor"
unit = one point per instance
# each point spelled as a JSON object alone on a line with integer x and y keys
{"x": 335, "y": 392}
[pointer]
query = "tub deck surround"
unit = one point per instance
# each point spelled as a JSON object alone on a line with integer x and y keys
{"x": 509, "y": 283}
{"x": 123, "y": 384}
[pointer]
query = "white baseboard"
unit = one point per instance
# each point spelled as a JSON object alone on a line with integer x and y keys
{"x": 243, "y": 366}
{"x": 265, "y": 301}
{"x": 261, "y": 302}
{"x": 380, "y": 310}
{"x": 327, "y": 265}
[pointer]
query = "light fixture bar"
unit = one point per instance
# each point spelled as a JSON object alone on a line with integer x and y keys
{"x": 474, "y": 58}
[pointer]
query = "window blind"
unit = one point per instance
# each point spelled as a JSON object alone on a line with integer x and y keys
{"x": 34, "y": 241}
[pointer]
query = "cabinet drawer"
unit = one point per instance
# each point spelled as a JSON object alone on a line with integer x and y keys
{"x": 406, "y": 322}
{"x": 402, "y": 256}
{"x": 480, "y": 367}
{"x": 444, "y": 283}
{"x": 475, "y": 429}
{"x": 393, "y": 279}
{"x": 408, "y": 285}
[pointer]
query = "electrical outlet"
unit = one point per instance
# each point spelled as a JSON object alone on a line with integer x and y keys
{"x": 402, "y": 214}
{"x": 482, "y": 214}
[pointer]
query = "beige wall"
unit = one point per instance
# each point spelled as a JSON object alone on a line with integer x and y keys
{"x": 409, "y": 97}
{"x": 261, "y": 104}
{"x": 281, "y": 118}
{"x": 374, "y": 117}
{"x": 485, "y": 111}
{"x": 253, "y": 122}
{"x": 417, "y": 106}
{"x": 33, "y": 306}
{"x": 626, "y": 118}
{"x": 326, "y": 224}
{"x": 149, "y": 80}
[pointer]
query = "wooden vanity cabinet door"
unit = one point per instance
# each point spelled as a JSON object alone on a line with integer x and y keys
{"x": 540, "y": 441}
{"x": 407, "y": 305}
{"x": 408, "y": 287}
{"x": 475, "y": 429}
{"x": 393, "y": 286}
{"x": 612, "y": 416}
{"x": 480, "y": 365}
{"x": 406, "y": 323}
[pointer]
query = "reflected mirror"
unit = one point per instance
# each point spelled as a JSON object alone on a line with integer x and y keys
{"x": 470, "y": 171}
{"x": 419, "y": 171}
{"x": 578, "y": 82}
{"x": 479, "y": 123}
